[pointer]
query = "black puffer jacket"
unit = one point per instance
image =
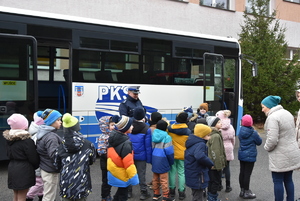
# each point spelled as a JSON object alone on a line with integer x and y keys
{"x": 24, "y": 159}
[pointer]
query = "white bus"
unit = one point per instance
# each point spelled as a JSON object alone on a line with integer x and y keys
{"x": 84, "y": 66}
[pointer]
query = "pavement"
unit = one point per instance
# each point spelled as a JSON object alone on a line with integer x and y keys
{"x": 261, "y": 181}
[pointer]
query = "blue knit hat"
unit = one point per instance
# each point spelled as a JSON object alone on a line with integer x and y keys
{"x": 49, "y": 116}
{"x": 271, "y": 101}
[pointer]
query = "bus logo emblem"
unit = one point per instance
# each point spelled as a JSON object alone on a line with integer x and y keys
{"x": 79, "y": 90}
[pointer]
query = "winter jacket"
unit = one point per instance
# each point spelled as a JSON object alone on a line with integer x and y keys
{"x": 103, "y": 138}
{"x": 284, "y": 153}
{"x": 47, "y": 143}
{"x": 179, "y": 133}
{"x": 216, "y": 151}
{"x": 141, "y": 141}
{"x": 249, "y": 139}
{"x": 228, "y": 134}
{"x": 298, "y": 122}
{"x": 24, "y": 159}
{"x": 33, "y": 129}
{"x": 196, "y": 163}
{"x": 120, "y": 165}
{"x": 192, "y": 122}
{"x": 128, "y": 105}
{"x": 163, "y": 152}
{"x": 73, "y": 160}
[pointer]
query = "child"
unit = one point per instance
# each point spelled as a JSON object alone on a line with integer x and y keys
{"x": 202, "y": 111}
{"x": 154, "y": 118}
{"x": 192, "y": 117}
{"x": 216, "y": 153}
{"x": 228, "y": 134}
{"x": 73, "y": 158}
{"x": 47, "y": 143}
{"x": 106, "y": 126}
{"x": 120, "y": 165}
{"x": 196, "y": 161}
{"x": 141, "y": 142}
{"x": 249, "y": 139}
{"x": 23, "y": 156}
{"x": 162, "y": 160}
{"x": 179, "y": 132}
{"x": 38, "y": 188}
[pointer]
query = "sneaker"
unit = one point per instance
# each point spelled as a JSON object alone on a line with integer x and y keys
{"x": 156, "y": 196}
{"x": 149, "y": 185}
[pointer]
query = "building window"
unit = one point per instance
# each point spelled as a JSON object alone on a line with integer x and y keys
{"x": 223, "y": 4}
{"x": 294, "y": 1}
{"x": 291, "y": 53}
{"x": 249, "y": 6}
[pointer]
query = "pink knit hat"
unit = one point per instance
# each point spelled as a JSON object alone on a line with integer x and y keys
{"x": 247, "y": 120}
{"x": 38, "y": 120}
{"x": 17, "y": 122}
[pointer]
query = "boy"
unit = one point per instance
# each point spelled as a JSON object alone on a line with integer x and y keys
{"x": 106, "y": 126}
{"x": 73, "y": 158}
{"x": 46, "y": 145}
{"x": 202, "y": 110}
{"x": 216, "y": 153}
{"x": 162, "y": 160}
{"x": 120, "y": 165}
{"x": 196, "y": 161}
{"x": 141, "y": 142}
{"x": 179, "y": 132}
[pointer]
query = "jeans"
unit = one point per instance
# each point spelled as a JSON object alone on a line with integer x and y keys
{"x": 286, "y": 178}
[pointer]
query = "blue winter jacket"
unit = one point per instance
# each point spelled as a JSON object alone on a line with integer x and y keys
{"x": 249, "y": 139}
{"x": 163, "y": 152}
{"x": 196, "y": 163}
{"x": 141, "y": 141}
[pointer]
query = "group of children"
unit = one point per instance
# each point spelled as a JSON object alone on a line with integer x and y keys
{"x": 40, "y": 159}
{"x": 196, "y": 148}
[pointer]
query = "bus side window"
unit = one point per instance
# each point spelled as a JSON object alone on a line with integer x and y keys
{"x": 104, "y": 76}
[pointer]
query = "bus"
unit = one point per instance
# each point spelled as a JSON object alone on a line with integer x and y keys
{"x": 85, "y": 66}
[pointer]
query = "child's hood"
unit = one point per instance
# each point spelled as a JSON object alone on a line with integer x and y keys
{"x": 104, "y": 124}
{"x": 158, "y": 135}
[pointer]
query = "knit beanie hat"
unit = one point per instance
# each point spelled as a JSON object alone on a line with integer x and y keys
{"x": 17, "y": 122}
{"x": 49, "y": 116}
{"x": 202, "y": 121}
{"x": 139, "y": 113}
{"x": 70, "y": 122}
{"x": 204, "y": 106}
{"x": 182, "y": 117}
{"x": 271, "y": 101}
{"x": 189, "y": 111}
{"x": 154, "y": 118}
{"x": 37, "y": 120}
{"x": 202, "y": 130}
{"x": 123, "y": 123}
{"x": 212, "y": 120}
{"x": 162, "y": 125}
{"x": 247, "y": 120}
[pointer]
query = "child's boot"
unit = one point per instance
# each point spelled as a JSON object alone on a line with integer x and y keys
{"x": 242, "y": 192}
{"x": 166, "y": 197}
{"x": 172, "y": 192}
{"x": 228, "y": 187}
{"x": 144, "y": 194}
{"x": 212, "y": 197}
{"x": 249, "y": 195}
{"x": 29, "y": 199}
{"x": 181, "y": 194}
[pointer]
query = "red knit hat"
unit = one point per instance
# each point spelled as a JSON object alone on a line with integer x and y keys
{"x": 247, "y": 120}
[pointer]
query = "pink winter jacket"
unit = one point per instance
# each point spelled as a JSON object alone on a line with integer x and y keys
{"x": 228, "y": 134}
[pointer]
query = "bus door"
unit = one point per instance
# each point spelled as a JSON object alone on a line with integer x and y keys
{"x": 214, "y": 82}
{"x": 18, "y": 83}
{"x": 54, "y": 79}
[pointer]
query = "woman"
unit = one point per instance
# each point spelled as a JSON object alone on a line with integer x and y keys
{"x": 284, "y": 154}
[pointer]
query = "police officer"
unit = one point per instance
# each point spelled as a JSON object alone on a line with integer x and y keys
{"x": 131, "y": 102}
